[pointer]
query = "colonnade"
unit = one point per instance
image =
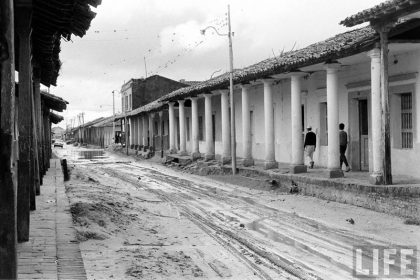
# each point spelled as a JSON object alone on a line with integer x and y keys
{"x": 297, "y": 162}
{"x": 297, "y": 152}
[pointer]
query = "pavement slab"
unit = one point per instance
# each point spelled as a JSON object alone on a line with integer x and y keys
{"x": 52, "y": 251}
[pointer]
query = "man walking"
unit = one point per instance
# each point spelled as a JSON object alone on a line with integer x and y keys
{"x": 343, "y": 147}
{"x": 310, "y": 145}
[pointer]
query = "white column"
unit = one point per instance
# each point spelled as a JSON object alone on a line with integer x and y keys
{"x": 151, "y": 129}
{"x": 134, "y": 130}
{"x": 246, "y": 128}
{"x": 194, "y": 120}
{"x": 145, "y": 144}
{"x": 375, "y": 67}
{"x": 172, "y": 148}
{"x": 209, "y": 127}
{"x": 130, "y": 124}
{"x": 332, "y": 116}
{"x": 270, "y": 159}
{"x": 139, "y": 132}
{"x": 224, "y": 98}
{"x": 297, "y": 141}
{"x": 182, "y": 133}
{"x": 160, "y": 133}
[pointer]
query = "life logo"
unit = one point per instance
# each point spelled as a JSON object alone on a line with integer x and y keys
{"x": 381, "y": 262}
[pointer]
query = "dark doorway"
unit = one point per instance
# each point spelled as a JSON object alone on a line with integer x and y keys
{"x": 213, "y": 124}
{"x": 364, "y": 134}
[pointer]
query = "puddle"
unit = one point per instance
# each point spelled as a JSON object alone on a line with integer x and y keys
{"x": 92, "y": 154}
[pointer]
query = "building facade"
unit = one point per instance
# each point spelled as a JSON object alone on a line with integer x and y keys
{"x": 139, "y": 92}
{"x": 334, "y": 81}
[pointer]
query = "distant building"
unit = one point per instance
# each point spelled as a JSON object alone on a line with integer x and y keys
{"x": 57, "y": 132}
{"x": 139, "y": 92}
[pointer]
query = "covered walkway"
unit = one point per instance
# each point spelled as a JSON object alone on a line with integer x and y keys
{"x": 52, "y": 251}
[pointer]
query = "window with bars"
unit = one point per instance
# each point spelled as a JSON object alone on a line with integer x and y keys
{"x": 406, "y": 121}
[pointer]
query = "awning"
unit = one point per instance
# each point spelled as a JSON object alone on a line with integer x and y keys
{"x": 54, "y": 102}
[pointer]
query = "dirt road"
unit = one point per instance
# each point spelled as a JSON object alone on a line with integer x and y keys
{"x": 138, "y": 219}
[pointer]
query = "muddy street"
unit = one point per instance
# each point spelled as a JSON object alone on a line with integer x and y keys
{"x": 139, "y": 219}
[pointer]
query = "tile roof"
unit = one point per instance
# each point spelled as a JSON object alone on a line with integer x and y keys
{"x": 55, "y": 118}
{"x": 388, "y": 10}
{"x": 52, "y": 20}
{"x": 339, "y": 46}
{"x": 152, "y": 106}
{"x": 91, "y": 123}
{"x": 107, "y": 121}
{"x": 54, "y": 102}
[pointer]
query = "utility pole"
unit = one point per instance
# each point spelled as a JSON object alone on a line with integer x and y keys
{"x": 83, "y": 127}
{"x": 80, "y": 129}
{"x": 145, "y": 68}
{"x": 232, "y": 104}
{"x": 113, "y": 113}
{"x": 126, "y": 131}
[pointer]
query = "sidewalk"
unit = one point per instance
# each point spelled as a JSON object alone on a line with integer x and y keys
{"x": 52, "y": 251}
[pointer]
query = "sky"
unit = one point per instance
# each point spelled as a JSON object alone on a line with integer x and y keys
{"x": 163, "y": 36}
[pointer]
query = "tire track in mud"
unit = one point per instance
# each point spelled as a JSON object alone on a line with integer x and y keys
{"x": 203, "y": 225}
{"x": 223, "y": 236}
{"x": 299, "y": 233}
{"x": 339, "y": 234}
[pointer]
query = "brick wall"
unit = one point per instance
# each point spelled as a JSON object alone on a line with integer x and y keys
{"x": 150, "y": 89}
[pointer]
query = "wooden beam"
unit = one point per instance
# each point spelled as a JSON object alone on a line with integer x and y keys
{"x": 383, "y": 30}
{"x": 38, "y": 118}
{"x": 385, "y": 107}
{"x": 25, "y": 184}
{"x": 45, "y": 123}
{"x": 35, "y": 140}
{"x": 8, "y": 145}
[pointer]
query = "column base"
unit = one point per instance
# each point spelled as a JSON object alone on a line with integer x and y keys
{"x": 376, "y": 179}
{"x": 271, "y": 164}
{"x": 195, "y": 155}
{"x": 225, "y": 159}
{"x": 247, "y": 162}
{"x": 298, "y": 168}
{"x": 209, "y": 157}
{"x": 335, "y": 173}
{"x": 183, "y": 153}
{"x": 172, "y": 151}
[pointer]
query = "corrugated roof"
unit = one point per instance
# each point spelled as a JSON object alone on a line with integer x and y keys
{"x": 389, "y": 10}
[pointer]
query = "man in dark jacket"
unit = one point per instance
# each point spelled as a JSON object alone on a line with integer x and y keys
{"x": 310, "y": 145}
{"x": 343, "y": 147}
